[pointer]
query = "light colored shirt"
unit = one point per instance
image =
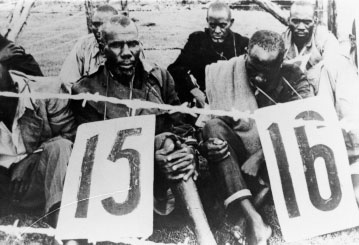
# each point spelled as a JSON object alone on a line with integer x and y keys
{"x": 12, "y": 148}
{"x": 83, "y": 60}
{"x": 322, "y": 45}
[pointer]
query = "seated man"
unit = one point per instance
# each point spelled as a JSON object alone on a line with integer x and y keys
{"x": 87, "y": 55}
{"x": 35, "y": 145}
{"x": 232, "y": 158}
{"x": 307, "y": 43}
{"x": 125, "y": 76}
{"x": 13, "y": 57}
{"x": 330, "y": 71}
{"x": 217, "y": 42}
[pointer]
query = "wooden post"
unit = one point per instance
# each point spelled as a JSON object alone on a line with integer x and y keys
{"x": 332, "y": 17}
{"x": 89, "y": 12}
{"x": 273, "y": 9}
{"x": 18, "y": 18}
{"x": 186, "y": 191}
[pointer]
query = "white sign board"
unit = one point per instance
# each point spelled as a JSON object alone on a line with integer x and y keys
{"x": 308, "y": 168}
{"x": 108, "y": 192}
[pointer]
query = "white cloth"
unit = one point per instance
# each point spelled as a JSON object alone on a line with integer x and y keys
{"x": 12, "y": 148}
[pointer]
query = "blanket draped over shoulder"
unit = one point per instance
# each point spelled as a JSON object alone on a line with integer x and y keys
{"x": 228, "y": 88}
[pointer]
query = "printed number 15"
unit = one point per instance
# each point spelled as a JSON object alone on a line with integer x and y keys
{"x": 109, "y": 204}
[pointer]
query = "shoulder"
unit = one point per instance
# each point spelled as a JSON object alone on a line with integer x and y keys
{"x": 86, "y": 42}
{"x": 292, "y": 73}
{"x": 323, "y": 35}
{"x": 87, "y": 39}
{"x": 38, "y": 84}
{"x": 161, "y": 75}
{"x": 241, "y": 39}
{"x": 89, "y": 83}
{"x": 197, "y": 36}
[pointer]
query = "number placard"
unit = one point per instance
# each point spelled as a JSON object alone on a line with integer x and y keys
{"x": 308, "y": 168}
{"x": 109, "y": 181}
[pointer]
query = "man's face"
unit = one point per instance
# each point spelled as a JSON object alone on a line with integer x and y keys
{"x": 301, "y": 23}
{"x": 219, "y": 23}
{"x": 263, "y": 66}
{"x": 122, "y": 49}
{"x": 98, "y": 19}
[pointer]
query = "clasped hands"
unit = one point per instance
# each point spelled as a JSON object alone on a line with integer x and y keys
{"x": 176, "y": 161}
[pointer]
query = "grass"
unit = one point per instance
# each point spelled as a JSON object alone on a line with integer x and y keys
{"x": 49, "y": 35}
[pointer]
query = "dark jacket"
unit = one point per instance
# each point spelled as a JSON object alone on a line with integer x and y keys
{"x": 198, "y": 52}
{"x": 24, "y": 63}
{"x": 298, "y": 87}
{"x": 151, "y": 83}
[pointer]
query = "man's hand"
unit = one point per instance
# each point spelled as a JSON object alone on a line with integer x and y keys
{"x": 176, "y": 161}
{"x": 10, "y": 51}
{"x": 199, "y": 96}
{"x": 253, "y": 163}
{"x": 214, "y": 149}
{"x": 21, "y": 176}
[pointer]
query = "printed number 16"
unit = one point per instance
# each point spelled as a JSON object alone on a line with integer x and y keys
{"x": 308, "y": 155}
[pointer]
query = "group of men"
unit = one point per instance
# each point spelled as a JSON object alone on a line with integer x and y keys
{"x": 36, "y": 135}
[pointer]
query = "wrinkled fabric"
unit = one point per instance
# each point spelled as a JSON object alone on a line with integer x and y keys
{"x": 198, "y": 52}
{"x": 228, "y": 88}
{"x": 322, "y": 45}
{"x": 50, "y": 117}
{"x": 47, "y": 177}
{"x": 83, "y": 60}
{"x": 151, "y": 83}
{"x": 340, "y": 82}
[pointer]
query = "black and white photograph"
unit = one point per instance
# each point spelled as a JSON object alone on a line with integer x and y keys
{"x": 179, "y": 122}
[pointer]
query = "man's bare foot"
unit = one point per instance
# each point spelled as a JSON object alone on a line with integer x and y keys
{"x": 258, "y": 233}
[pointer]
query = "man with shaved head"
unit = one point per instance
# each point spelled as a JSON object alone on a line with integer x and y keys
{"x": 125, "y": 76}
{"x": 217, "y": 42}
{"x": 87, "y": 55}
{"x": 308, "y": 43}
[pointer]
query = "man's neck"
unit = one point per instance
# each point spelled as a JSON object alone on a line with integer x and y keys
{"x": 301, "y": 43}
{"x": 120, "y": 77}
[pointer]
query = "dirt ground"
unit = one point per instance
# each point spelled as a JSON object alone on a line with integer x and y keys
{"x": 54, "y": 27}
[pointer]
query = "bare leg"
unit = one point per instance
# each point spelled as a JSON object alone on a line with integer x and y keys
{"x": 232, "y": 185}
{"x": 259, "y": 232}
{"x": 187, "y": 192}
